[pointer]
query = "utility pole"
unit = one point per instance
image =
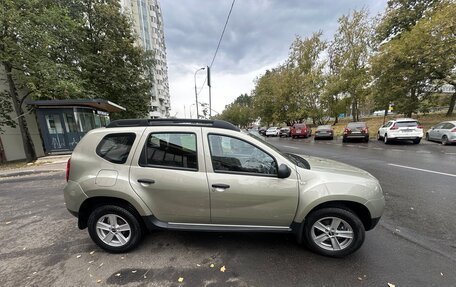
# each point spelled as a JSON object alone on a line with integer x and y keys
{"x": 209, "y": 85}
{"x": 196, "y": 92}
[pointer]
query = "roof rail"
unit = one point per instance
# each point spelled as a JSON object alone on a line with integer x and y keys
{"x": 172, "y": 122}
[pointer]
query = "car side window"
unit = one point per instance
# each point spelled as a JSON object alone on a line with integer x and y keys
{"x": 116, "y": 147}
{"x": 232, "y": 155}
{"x": 170, "y": 150}
{"x": 448, "y": 126}
{"x": 389, "y": 124}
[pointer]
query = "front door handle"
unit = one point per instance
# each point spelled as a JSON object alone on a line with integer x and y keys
{"x": 146, "y": 181}
{"x": 219, "y": 187}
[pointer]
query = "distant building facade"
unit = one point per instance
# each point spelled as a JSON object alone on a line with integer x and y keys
{"x": 147, "y": 22}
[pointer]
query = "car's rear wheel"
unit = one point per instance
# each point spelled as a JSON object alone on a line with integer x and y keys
{"x": 334, "y": 232}
{"x": 417, "y": 140}
{"x": 114, "y": 228}
{"x": 385, "y": 139}
{"x": 427, "y": 136}
{"x": 445, "y": 140}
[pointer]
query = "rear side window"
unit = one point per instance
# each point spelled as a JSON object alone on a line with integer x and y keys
{"x": 115, "y": 148}
{"x": 170, "y": 150}
{"x": 299, "y": 126}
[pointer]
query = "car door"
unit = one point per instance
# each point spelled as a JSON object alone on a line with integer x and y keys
{"x": 384, "y": 128}
{"x": 245, "y": 188}
{"x": 168, "y": 173}
{"x": 435, "y": 133}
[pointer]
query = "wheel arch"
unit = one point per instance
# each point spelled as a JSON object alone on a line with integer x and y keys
{"x": 360, "y": 210}
{"x": 92, "y": 203}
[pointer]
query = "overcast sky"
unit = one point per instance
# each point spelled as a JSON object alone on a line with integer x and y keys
{"x": 258, "y": 36}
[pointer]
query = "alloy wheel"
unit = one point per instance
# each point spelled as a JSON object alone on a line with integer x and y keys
{"x": 113, "y": 230}
{"x": 332, "y": 233}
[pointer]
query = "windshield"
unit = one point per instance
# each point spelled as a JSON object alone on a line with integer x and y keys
{"x": 287, "y": 156}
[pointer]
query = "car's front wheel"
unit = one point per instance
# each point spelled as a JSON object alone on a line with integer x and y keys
{"x": 334, "y": 232}
{"x": 445, "y": 140}
{"x": 114, "y": 228}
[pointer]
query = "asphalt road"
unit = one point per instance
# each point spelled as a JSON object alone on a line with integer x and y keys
{"x": 413, "y": 245}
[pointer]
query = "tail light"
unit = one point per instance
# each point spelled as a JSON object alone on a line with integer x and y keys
{"x": 419, "y": 127}
{"x": 67, "y": 176}
{"x": 365, "y": 130}
{"x": 347, "y": 131}
{"x": 453, "y": 130}
{"x": 394, "y": 127}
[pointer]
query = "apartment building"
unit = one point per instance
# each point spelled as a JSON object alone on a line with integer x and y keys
{"x": 147, "y": 22}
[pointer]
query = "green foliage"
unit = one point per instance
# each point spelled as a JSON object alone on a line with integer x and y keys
{"x": 239, "y": 112}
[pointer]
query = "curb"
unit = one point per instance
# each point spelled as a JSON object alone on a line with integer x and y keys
{"x": 28, "y": 172}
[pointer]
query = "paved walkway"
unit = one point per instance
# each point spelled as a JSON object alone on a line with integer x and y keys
{"x": 53, "y": 163}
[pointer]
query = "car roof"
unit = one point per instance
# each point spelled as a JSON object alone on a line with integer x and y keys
{"x": 405, "y": 120}
{"x": 172, "y": 122}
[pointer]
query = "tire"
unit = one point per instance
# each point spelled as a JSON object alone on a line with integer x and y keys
{"x": 427, "y": 136}
{"x": 445, "y": 140}
{"x": 417, "y": 141}
{"x": 386, "y": 140}
{"x": 331, "y": 138}
{"x": 366, "y": 140}
{"x": 344, "y": 140}
{"x": 349, "y": 226}
{"x": 123, "y": 218}
{"x": 379, "y": 138}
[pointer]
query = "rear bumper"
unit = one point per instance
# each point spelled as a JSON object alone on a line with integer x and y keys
{"x": 356, "y": 136}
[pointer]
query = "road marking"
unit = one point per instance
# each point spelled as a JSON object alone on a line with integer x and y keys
{"x": 393, "y": 149}
{"x": 420, "y": 169}
{"x": 422, "y": 151}
{"x": 350, "y": 145}
{"x": 451, "y": 153}
{"x": 378, "y": 148}
{"x": 362, "y": 146}
{"x": 291, "y": 146}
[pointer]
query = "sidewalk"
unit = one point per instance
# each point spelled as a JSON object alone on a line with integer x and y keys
{"x": 53, "y": 163}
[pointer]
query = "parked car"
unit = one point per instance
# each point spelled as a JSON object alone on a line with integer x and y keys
{"x": 325, "y": 131}
{"x": 401, "y": 129}
{"x": 382, "y": 113}
{"x": 300, "y": 130}
{"x": 285, "y": 132}
{"x": 272, "y": 132}
{"x": 262, "y": 131}
{"x": 444, "y": 132}
{"x": 140, "y": 175}
{"x": 356, "y": 130}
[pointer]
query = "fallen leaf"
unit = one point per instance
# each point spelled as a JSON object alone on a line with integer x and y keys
{"x": 99, "y": 281}
{"x": 79, "y": 256}
{"x": 222, "y": 269}
{"x": 101, "y": 264}
{"x": 391, "y": 285}
{"x": 360, "y": 279}
{"x": 121, "y": 257}
{"x": 180, "y": 280}
{"x": 34, "y": 273}
{"x": 412, "y": 208}
{"x": 118, "y": 274}
{"x": 133, "y": 271}
{"x": 90, "y": 275}
{"x": 212, "y": 265}
{"x": 24, "y": 248}
{"x": 441, "y": 273}
{"x": 88, "y": 268}
{"x": 91, "y": 261}
{"x": 198, "y": 265}
{"x": 92, "y": 252}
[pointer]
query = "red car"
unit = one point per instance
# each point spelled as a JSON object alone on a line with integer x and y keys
{"x": 300, "y": 130}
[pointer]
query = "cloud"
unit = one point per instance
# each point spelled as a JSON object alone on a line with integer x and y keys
{"x": 257, "y": 37}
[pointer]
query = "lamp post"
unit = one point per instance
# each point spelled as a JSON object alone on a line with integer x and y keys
{"x": 196, "y": 92}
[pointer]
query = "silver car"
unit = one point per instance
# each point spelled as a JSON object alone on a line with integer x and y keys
{"x": 183, "y": 174}
{"x": 444, "y": 132}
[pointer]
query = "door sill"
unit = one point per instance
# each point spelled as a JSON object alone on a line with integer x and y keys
{"x": 152, "y": 220}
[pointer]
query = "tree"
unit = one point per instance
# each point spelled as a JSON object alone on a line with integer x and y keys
{"x": 30, "y": 48}
{"x": 112, "y": 66}
{"x": 238, "y": 112}
{"x": 351, "y": 49}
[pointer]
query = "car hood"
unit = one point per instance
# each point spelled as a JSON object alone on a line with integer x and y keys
{"x": 332, "y": 166}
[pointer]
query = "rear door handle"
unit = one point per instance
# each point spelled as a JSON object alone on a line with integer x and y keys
{"x": 219, "y": 187}
{"x": 146, "y": 181}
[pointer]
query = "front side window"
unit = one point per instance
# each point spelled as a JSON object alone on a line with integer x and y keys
{"x": 170, "y": 150}
{"x": 115, "y": 148}
{"x": 230, "y": 155}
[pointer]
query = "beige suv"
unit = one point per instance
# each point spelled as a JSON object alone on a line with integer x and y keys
{"x": 140, "y": 175}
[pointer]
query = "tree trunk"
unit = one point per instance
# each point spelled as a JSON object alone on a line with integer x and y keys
{"x": 355, "y": 110}
{"x": 29, "y": 149}
{"x": 336, "y": 120}
{"x": 452, "y": 104}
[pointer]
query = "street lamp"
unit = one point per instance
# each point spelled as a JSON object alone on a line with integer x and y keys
{"x": 196, "y": 92}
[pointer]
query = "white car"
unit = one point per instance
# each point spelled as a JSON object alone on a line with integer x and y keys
{"x": 272, "y": 132}
{"x": 401, "y": 129}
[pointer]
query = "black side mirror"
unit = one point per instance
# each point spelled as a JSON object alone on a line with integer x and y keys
{"x": 284, "y": 171}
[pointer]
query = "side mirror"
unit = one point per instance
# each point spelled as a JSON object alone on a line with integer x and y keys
{"x": 284, "y": 171}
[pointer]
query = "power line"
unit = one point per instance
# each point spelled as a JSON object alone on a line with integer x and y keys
{"x": 219, "y": 42}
